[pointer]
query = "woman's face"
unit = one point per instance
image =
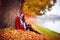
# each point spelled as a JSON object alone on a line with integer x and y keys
{"x": 22, "y": 15}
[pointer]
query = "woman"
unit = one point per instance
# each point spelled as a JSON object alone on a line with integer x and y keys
{"x": 20, "y": 22}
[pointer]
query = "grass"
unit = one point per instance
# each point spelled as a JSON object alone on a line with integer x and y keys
{"x": 43, "y": 30}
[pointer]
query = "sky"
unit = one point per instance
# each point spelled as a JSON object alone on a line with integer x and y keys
{"x": 55, "y": 9}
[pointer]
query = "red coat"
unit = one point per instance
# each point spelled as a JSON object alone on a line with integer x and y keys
{"x": 17, "y": 24}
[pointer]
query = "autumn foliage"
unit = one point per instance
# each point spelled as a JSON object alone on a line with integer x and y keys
{"x": 38, "y": 7}
{"x": 13, "y": 34}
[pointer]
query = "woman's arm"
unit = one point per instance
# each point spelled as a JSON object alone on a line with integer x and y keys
{"x": 17, "y": 22}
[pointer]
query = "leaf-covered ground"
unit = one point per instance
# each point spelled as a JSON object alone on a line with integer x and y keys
{"x": 13, "y": 34}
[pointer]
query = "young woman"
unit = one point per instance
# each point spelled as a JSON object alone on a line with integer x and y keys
{"x": 20, "y": 22}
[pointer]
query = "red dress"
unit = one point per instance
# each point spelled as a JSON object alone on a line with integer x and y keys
{"x": 17, "y": 24}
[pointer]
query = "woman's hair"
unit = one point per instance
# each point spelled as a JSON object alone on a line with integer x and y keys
{"x": 23, "y": 19}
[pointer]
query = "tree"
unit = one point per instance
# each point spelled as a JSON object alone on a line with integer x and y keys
{"x": 10, "y": 8}
{"x": 9, "y": 13}
{"x": 38, "y": 7}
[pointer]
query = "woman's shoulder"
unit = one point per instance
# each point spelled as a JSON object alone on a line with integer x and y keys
{"x": 17, "y": 17}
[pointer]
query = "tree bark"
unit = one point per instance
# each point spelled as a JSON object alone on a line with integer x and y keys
{"x": 9, "y": 13}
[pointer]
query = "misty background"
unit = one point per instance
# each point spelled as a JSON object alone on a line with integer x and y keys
{"x": 51, "y": 19}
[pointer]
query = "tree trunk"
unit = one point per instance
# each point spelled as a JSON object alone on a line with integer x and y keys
{"x": 0, "y": 12}
{"x": 9, "y": 13}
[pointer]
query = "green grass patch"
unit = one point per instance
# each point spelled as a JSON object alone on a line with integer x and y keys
{"x": 44, "y": 30}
